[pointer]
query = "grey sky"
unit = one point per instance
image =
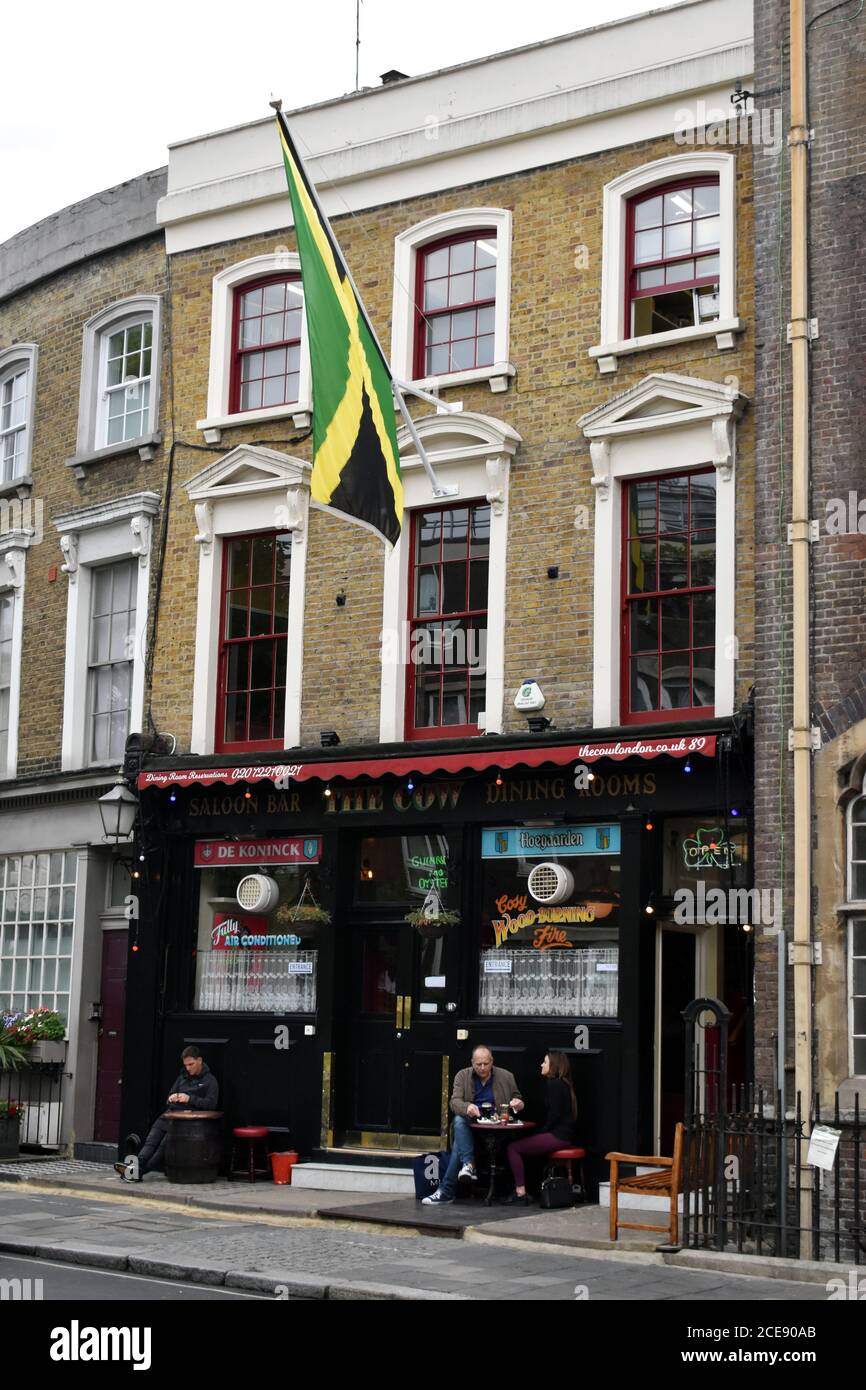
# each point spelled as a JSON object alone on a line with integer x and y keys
{"x": 93, "y": 93}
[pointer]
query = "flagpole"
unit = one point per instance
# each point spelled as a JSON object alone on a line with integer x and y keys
{"x": 438, "y": 489}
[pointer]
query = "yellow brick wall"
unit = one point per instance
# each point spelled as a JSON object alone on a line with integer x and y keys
{"x": 52, "y": 314}
{"x": 555, "y": 312}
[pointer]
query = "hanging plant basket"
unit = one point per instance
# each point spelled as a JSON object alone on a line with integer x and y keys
{"x": 309, "y": 912}
{"x": 432, "y": 927}
{"x": 306, "y": 909}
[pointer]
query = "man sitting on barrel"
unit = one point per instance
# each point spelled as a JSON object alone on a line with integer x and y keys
{"x": 196, "y": 1088}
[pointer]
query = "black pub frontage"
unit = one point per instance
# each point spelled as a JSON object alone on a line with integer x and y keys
{"x": 337, "y": 933}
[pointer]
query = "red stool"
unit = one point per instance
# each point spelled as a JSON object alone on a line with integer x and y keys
{"x": 567, "y": 1157}
{"x": 250, "y": 1135}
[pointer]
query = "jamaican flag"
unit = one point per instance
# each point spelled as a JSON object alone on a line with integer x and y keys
{"x": 356, "y": 465}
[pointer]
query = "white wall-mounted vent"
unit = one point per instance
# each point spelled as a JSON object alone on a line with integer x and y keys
{"x": 258, "y": 893}
{"x": 550, "y": 883}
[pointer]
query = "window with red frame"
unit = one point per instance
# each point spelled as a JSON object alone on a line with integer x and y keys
{"x": 266, "y": 343}
{"x": 669, "y": 607}
{"x": 448, "y": 620}
{"x": 673, "y": 258}
{"x": 253, "y": 644}
{"x": 456, "y": 299}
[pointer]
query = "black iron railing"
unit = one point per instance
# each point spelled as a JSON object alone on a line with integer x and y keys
{"x": 748, "y": 1184}
{"x": 36, "y": 1088}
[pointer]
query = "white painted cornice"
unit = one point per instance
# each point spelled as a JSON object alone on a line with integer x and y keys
{"x": 450, "y": 128}
{"x": 106, "y": 513}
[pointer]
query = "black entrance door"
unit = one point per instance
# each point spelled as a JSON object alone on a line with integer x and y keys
{"x": 400, "y": 996}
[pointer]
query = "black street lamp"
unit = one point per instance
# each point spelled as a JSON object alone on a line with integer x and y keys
{"x": 118, "y": 810}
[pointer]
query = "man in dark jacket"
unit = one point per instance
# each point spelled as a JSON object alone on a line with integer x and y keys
{"x": 473, "y": 1086}
{"x": 195, "y": 1088}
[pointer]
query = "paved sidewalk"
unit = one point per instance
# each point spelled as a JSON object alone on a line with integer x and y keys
{"x": 298, "y": 1257}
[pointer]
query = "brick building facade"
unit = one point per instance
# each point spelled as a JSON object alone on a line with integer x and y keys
{"x": 835, "y": 57}
{"x": 567, "y": 415}
{"x": 345, "y": 849}
{"x": 80, "y": 504}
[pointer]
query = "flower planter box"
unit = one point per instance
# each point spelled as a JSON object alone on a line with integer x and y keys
{"x": 10, "y": 1129}
{"x": 47, "y": 1052}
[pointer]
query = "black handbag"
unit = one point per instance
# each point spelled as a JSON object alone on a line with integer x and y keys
{"x": 556, "y": 1192}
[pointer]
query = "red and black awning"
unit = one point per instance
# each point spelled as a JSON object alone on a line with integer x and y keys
{"x": 420, "y": 764}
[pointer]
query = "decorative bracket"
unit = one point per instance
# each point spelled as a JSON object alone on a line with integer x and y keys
{"x": 296, "y": 510}
{"x": 204, "y": 522}
{"x": 497, "y": 477}
{"x": 14, "y": 560}
{"x": 599, "y": 452}
{"x": 723, "y": 446}
{"x": 69, "y": 546}
{"x": 142, "y": 527}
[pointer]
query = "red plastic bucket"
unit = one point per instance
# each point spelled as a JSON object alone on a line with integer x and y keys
{"x": 281, "y": 1166}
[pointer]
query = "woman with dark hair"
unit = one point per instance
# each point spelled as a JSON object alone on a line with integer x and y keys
{"x": 557, "y": 1128}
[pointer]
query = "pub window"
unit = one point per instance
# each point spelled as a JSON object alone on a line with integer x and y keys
{"x": 251, "y": 707}
{"x": 669, "y": 604}
{"x": 448, "y": 620}
{"x": 262, "y": 959}
{"x": 407, "y": 869}
{"x": 415, "y": 879}
{"x": 708, "y": 848}
{"x": 550, "y": 943}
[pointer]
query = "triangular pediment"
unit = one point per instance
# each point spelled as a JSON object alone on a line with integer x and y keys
{"x": 662, "y": 398}
{"x": 249, "y": 468}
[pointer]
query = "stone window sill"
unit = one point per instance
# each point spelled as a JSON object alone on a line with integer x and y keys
{"x": 498, "y": 376}
{"x": 299, "y": 412}
{"x": 144, "y": 446}
{"x": 17, "y": 487}
{"x": 723, "y": 330}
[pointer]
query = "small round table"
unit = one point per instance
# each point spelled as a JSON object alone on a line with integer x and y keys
{"x": 193, "y": 1145}
{"x": 496, "y": 1135}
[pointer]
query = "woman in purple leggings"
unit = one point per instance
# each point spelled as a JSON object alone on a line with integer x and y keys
{"x": 557, "y": 1129}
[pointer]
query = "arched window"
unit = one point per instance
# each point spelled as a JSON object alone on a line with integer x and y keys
{"x": 669, "y": 256}
{"x": 259, "y": 360}
{"x": 17, "y": 372}
{"x": 452, "y": 292}
{"x": 119, "y": 401}
{"x": 672, "y": 251}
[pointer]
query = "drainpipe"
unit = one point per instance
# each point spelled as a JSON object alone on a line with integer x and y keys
{"x": 800, "y": 737}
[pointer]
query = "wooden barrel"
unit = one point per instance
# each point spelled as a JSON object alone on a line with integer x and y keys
{"x": 193, "y": 1145}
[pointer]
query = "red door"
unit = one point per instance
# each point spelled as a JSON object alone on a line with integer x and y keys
{"x": 106, "y": 1120}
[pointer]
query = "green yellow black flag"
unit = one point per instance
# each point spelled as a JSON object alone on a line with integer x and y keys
{"x": 356, "y": 464}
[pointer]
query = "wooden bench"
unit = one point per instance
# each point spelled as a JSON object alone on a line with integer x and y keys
{"x": 664, "y": 1183}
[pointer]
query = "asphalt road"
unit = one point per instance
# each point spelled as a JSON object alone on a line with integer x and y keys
{"x": 71, "y": 1283}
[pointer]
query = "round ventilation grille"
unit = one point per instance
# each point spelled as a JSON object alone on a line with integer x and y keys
{"x": 550, "y": 883}
{"x": 258, "y": 893}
